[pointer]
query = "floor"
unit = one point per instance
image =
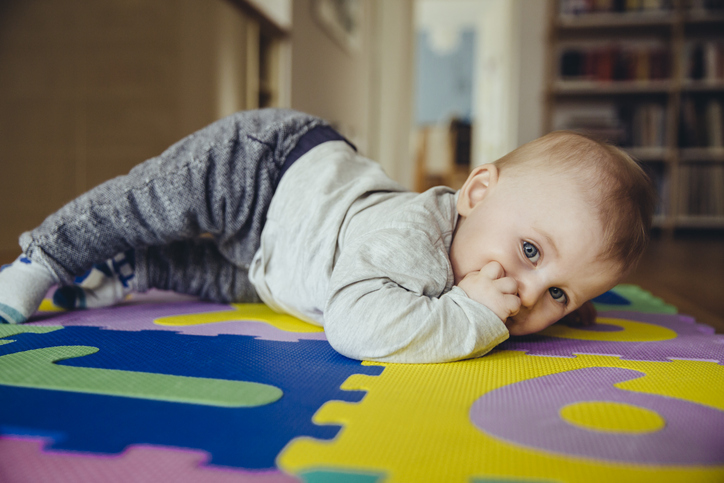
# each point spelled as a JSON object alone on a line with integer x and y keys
{"x": 686, "y": 270}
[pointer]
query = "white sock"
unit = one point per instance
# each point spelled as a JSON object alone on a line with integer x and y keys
{"x": 23, "y": 284}
{"x": 105, "y": 284}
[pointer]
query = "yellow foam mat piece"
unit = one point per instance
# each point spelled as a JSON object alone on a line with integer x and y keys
{"x": 47, "y": 305}
{"x": 414, "y": 424}
{"x": 633, "y": 331}
{"x": 252, "y": 312}
{"x": 612, "y": 416}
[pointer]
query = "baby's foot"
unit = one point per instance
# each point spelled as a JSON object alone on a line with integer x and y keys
{"x": 105, "y": 284}
{"x": 23, "y": 284}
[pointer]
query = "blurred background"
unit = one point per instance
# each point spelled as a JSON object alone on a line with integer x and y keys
{"x": 428, "y": 88}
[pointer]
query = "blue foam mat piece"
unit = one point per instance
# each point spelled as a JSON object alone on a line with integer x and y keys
{"x": 309, "y": 372}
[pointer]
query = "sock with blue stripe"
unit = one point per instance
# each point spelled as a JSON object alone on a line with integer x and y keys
{"x": 23, "y": 284}
{"x": 105, "y": 284}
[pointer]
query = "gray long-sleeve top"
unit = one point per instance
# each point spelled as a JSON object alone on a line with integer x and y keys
{"x": 349, "y": 249}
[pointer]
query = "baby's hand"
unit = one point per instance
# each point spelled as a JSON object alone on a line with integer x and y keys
{"x": 493, "y": 289}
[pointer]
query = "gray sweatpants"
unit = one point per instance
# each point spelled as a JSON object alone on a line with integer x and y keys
{"x": 218, "y": 181}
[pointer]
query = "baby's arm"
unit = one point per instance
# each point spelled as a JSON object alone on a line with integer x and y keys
{"x": 389, "y": 303}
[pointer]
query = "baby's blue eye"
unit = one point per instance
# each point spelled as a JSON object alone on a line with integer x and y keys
{"x": 531, "y": 252}
{"x": 557, "y": 294}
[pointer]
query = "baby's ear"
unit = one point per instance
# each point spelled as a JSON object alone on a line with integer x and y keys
{"x": 476, "y": 187}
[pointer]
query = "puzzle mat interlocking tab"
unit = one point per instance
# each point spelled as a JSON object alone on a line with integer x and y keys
{"x": 638, "y": 397}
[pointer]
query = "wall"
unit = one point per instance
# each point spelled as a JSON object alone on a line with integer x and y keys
{"x": 366, "y": 92}
{"x": 88, "y": 89}
{"x": 530, "y": 29}
{"x": 327, "y": 80}
{"x": 514, "y": 57}
{"x": 391, "y": 93}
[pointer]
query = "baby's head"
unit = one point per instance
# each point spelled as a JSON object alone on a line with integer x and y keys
{"x": 566, "y": 216}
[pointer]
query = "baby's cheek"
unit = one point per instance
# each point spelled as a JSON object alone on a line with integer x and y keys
{"x": 534, "y": 321}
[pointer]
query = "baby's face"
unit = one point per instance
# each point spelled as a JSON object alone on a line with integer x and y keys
{"x": 542, "y": 232}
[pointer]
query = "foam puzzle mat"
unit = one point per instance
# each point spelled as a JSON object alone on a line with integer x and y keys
{"x": 169, "y": 388}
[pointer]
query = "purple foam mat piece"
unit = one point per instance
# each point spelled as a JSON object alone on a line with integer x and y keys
{"x": 140, "y": 312}
{"x": 692, "y": 342}
{"x": 527, "y": 413}
{"x": 23, "y": 459}
{"x": 259, "y": 330}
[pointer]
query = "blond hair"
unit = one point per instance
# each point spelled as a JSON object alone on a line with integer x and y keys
{"x": 614, "y": 183}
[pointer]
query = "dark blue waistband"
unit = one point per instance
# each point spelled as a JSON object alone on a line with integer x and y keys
{"x": 312, "y": 138}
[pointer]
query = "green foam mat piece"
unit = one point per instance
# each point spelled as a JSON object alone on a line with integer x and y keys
{"x": 37, "y": 368}
{"x": 641, "y": 301}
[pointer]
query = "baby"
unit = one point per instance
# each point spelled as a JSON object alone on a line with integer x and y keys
{"x": 275, "y": 206}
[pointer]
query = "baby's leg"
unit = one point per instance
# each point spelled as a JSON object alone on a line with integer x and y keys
{"x": 193, "y": 267}
{"x": 219, "y": 180}
{"x": 105, "y": 284}
{"x": 23, "y": 284}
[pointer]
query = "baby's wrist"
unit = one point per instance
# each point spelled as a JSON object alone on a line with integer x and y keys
{"x": 480, "y": 301}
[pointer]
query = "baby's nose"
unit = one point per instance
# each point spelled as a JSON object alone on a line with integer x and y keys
{"x": 530, "y": 291}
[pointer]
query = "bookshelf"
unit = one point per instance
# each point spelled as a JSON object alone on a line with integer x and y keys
{"x": 647, "y": 75}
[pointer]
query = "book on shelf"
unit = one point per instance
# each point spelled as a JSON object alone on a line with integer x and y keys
{"x": 701, "y": 190}
{"x": 646, "y": 123}
{"x": 625, "y": 61}
{"x": 636, "y": 125}
{"x": 705, "y": 61}
{"x": 701, "y": 122}
{"x": 589, "y": 7}
{"x": 599, "y": 120}
{"x": 657, "y": 174}
{"x": 704, "y": 5}
{"x": 648, "y": 76}
{"x": 714, "y": 122}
